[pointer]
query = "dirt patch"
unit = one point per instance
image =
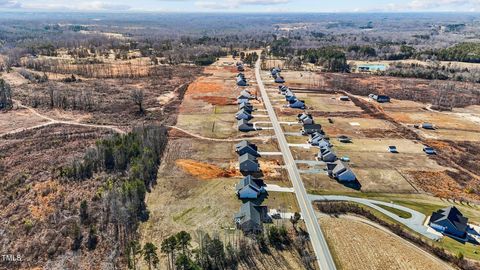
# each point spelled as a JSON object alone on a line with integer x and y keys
{"x": 216, "y": 100}
{"x": 205, "y": 171}
{"x": 203, "y": 87}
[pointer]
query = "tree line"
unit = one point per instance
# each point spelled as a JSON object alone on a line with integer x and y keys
{"x": 127, "y": 166}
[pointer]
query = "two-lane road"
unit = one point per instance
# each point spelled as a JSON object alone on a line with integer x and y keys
{"x": 324, "y": 258}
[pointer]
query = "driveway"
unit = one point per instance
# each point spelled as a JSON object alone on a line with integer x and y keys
{"x": 415, "y": 222}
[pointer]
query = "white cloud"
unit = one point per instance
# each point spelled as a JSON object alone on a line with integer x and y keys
{"x": 10, "y": 4}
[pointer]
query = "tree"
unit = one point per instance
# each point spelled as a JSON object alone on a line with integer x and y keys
{"x": 92, "y": 238}
{"x": 5, "y": 96}
{"x": 77, "y": 238}
{"x": 183, "y": 262}
{"x": 294, "y": 220}
{"x": 83, "y": 211}
{"x": 183, "y": 241}
{"x": 150, "y": 255}
{"x": 137, "y": 96}
{"x": 168, "y": 247}
{"x": 134, "y": 249}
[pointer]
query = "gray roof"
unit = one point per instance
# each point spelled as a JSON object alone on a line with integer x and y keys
{"x": 249, "y": 212}
{"x": 245, "y": 144}
{"x": 339, "y": 168}
{"x": 256, "y": 184}
{"x": 247, "y": 157}
{"x": 451, "y": 214}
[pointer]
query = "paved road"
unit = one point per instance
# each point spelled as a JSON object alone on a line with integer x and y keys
{"x": 415, "y": 222}
{"x": 324, "y": 258}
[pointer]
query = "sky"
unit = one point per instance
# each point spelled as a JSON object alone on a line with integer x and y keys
{"x": 244, "y": 5}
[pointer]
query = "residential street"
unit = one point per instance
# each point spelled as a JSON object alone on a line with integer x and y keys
{"x": 322, "y": 252}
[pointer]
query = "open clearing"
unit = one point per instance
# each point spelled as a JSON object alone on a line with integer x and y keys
{"x": 358, "y": 246}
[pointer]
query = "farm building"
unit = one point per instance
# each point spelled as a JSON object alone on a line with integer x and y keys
{"x": 449, "y": 221}
{"x": 251, "y": 217}
{"x": 248, "y": 163}
{"x": 250, "y": 188}
{"x": 245, "y": 126}
{"x": 310, "y": 129}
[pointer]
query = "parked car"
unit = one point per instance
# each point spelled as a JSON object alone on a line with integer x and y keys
{"x": 392, "y": 149}
{"x": 429, "y": 150}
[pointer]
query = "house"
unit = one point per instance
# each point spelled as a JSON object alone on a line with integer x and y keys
{"x": 247, "y": 149}
{"x": 342, "y": 172}
{"x": 449, "y": 221}
{"x": 246, "y": 106}
{"x": 306, "y": 119}
{"x": 327, "y": 155}
{"x": 291, "y": 98}
{"x": 241, "y": 81}
{"x": 251, "y": 217}
{"x": 283, "y": 88}
{"x": 320, "y": 142}
{"x": 344, "y": 139}
{"x": 245, "y": 95}
{"x": 298, "y": 104}
{"x": 243, "y": 114}
{"x": 276, "y": 71}
{"x": 244, "y": 144}
{"x": 344, "y": 98}
{"x": 279, "y": 79}
{"x": 248, "y": 163}
{"x": 428, "y": 126}
{"x": 310, "y": 129}
{"x": 250, "y": 188}
{"x": 240, "y": 101}
{"x": 245, "y": 126}
{"x": 240, "y": 68}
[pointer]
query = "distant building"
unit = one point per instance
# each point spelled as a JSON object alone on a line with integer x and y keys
{"x": 449, "y": 221}
{"x": 344, "y": 139}
{"x": 251, "y": 217}
{"x": 248, "y": 163}
{"x": 428, "y": 126}
{"x": 380, "y": 98}
{"x": 250, "y": 188}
